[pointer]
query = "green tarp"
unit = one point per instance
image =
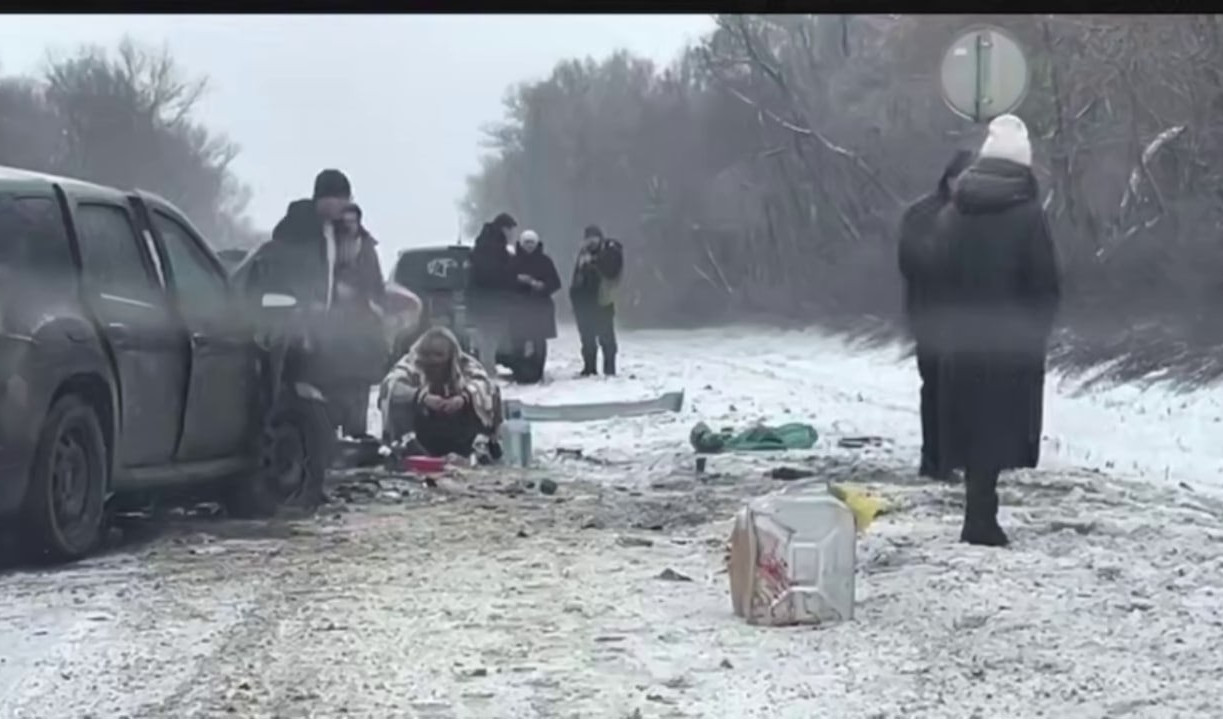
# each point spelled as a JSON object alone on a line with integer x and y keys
{"x": 759, "y": 438}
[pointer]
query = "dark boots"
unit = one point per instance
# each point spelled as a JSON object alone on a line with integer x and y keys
{"x": 590, "y": 358}
{"x": 590, "y": 361}
{"x": 981, "y": 510}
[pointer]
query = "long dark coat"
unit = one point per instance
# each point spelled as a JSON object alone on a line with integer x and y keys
{"x": 535, "y": 312}
{"x": 1000, "y": 274}
{"x": 491, "y": 287}
{"x": 917, "y": 252}
{"x": 918, "y": 266}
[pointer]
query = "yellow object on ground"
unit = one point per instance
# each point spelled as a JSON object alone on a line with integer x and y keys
{"x": 865, "y": 507}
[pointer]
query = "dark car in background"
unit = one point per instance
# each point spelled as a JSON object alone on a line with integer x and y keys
{"x": 438, "y": 276}
{"x": 127, "y": 363}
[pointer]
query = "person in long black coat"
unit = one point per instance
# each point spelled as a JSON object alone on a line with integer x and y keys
{"x": 534, "y": 319}
{"x": 1002, "y": 282}
{"x": 491, "y": 288}
{"x": 918, "y": 269}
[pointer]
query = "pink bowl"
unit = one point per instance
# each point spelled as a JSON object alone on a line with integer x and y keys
{"x": 424, "y": 465}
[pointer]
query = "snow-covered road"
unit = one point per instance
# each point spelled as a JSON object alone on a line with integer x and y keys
{"x": 486, "y": 599}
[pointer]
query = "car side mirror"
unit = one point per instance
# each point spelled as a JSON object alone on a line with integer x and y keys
{"x": 273, "y": 299}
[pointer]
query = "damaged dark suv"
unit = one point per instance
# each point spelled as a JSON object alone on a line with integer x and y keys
{"x": 126, "y": 364}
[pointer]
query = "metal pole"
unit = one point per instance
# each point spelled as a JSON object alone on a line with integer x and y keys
{"x": 981, "y": 100}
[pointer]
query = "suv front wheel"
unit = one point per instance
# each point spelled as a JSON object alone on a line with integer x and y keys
{"x": 64, "y": 515}
{"x": 294, "y": 450}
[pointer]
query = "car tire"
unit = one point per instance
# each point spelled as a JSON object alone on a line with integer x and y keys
{"x": 294, "y": 450}
{"x": 64, "y": 517}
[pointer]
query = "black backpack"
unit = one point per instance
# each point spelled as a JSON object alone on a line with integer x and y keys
{"x": 611, "y": 259}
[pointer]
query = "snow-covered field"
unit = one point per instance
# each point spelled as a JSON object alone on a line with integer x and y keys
{"x": 486, "y": 599}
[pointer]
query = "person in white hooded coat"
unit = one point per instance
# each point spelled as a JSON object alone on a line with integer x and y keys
{"x": 999, "y": 272}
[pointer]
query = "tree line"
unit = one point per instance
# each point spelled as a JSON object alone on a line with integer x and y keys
{"x": 125, "y": 118}
{"x": 763, "y": 172}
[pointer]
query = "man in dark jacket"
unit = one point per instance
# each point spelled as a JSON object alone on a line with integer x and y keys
{"x": 596, "y": 277}
{"x": 300, "y": 257}
{"x": 917, "y": 268}
{"x": 491, "y": 288}
{"x": 301, "y": 261}
{"x": 1002, "y": 281}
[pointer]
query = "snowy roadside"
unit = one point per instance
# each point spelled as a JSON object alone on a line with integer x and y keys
{"x": 492, "y": 601}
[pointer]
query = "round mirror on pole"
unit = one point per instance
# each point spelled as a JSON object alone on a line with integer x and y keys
{"x": 984, "y": 74}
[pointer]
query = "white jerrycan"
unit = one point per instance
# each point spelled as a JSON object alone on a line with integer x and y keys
{"x": 792, "y": 560}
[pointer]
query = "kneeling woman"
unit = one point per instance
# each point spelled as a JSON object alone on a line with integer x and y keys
{"x": 444, "y": 398}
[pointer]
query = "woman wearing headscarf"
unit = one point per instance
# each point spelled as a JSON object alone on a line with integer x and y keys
{"x": 1000, "y": 273}
{"x": 443, "y": 399}
{"x": 534, "y": 319}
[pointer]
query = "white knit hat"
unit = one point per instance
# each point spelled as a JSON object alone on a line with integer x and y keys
{"x": 529, "y": 236}
{"x": 1008, "y": 140}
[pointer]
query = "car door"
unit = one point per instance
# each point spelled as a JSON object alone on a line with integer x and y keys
{"x": 218, "y": 421}
{"x": 149, "y": 346}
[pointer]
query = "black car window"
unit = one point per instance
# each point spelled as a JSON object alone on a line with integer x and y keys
{"x": 111, "y": 254}
{"x": 195, "y": 278}
{"x": 33, "y": 239}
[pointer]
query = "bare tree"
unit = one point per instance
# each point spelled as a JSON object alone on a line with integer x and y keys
{"x": 764, "y": 171}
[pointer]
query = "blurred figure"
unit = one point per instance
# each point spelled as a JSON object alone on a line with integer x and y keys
{"x": 359, "y": 305}
{"x": 918, "y": 269}
{"x": 299, "y": 259}
{"x": 440, "y": 401}
{"x": 534, "y": 319}
{"x": 596, "y": 276}
{"x": 492, "y": 288}
{"x": 1002, "y": 282}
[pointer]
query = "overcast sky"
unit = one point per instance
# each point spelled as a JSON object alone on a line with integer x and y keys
{"x": 396, "y": 101}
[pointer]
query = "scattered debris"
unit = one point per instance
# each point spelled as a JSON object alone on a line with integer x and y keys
{"x": 790, "y": 473}
{"x": 547, "y": 486}
{"x": 860, "y": 442}
{"x": 624, "y": 541}
{"x": 756, "y": 438}
{"x": 1082, "y": 527}
{"x": 671, "y": 575}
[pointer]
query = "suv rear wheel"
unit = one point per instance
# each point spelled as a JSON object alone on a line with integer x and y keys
{"x": 64, "y": 515}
